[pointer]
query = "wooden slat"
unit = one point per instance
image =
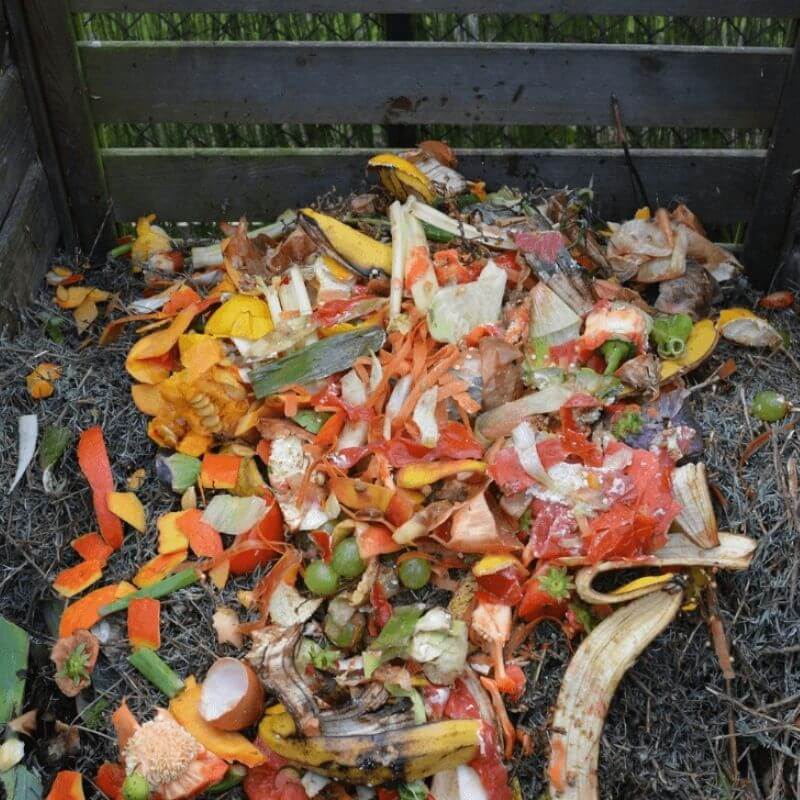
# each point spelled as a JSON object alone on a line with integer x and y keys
{"x": 17, "y": 145}
{"x": 682, "y": 8}
{"x": 209, "y": 185}
{"x": 386, "y": 82}
{"x": 49, "y": 26}
{"x": 767, "y": 229}
{"x": 27, "y": 240}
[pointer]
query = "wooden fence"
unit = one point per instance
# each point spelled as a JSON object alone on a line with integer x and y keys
{"x": 406, "y": 83}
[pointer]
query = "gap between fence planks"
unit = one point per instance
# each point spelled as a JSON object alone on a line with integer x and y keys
{"x": 421, "y": 82}
{"x": 215, "y": 184}
{"x": 675, "y": 8}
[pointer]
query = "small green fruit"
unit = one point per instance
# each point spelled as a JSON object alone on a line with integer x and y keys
{"x": 136, "y": 787}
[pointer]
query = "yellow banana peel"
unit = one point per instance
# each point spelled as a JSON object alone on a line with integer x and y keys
{"x": 401, "y": 178}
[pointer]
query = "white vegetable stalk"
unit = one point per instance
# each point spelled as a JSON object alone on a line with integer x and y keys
{"x": 300, "y": 292}
{"x": 354, "y": 393}
{"x": 425, "y": 284}
{"x": 395, "y": 402}
{"x": 399, "y": 235}
{"x": 426, "y": 213}
{"x": 425, "y": 417}
{"x": 28, "y": 431}
{"x": 274, "y": 303}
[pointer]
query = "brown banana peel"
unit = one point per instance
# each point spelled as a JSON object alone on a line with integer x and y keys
{"x": 405, "y": 754}
{"x": 589, "y": 685}
{"x": 733, "y": 552}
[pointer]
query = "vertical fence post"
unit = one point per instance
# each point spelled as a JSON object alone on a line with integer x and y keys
{"x": 52, "y": 35}
{"x": 767, "y": 229}
{"x": 400, "y": 28}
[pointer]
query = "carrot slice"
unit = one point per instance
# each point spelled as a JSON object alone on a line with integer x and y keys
{"x": 159, "y": 567}
{"x": 144, "y": 623}
{"x": 75, "y": 579}
{"x": 94, "y": 464}
{"x": 219, "y": 470}
{"x": 85, "y": 612}
{"x": 125, "y": 724}
{"x": 68, "y": 785}
{"x": 92, "y": 547}
{"x": 203, "y": 539}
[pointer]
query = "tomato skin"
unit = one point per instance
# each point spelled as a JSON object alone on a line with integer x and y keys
{"x": 503, "y": 586}
{"x": 109, "y": 780}
{"x": 268, "y": 532}
{"x": 489, "y": 766}
{"x": 455, "y": 442}
{"x": 382, "y": 609}
{"x": 536, "y": 602}
{"x": 400, "y": 509}
{"x": 506, "y": 470}
{"x": 461, "y": 704}
{"x": 266, "y": 783}
{"x": 335, "y": 310}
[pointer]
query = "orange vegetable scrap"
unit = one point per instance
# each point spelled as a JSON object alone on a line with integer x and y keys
{"x": 227, "y": 745}
{"x": 92, "y": 547}
{"x": 85, "y": 612}
{"x": 128, "y": 507}
{"x": 203, "y": 539}
{"x": 75, "y": 579}
{"x": 94, "y": 464}
{"x": 109, "y": 780}
{"x": 67, "y": 786}
{"x": 414, "y": 476}
{"x": 219, "y": 470}
{"x": 361, "y": 496}
{"x": 159, "y": 567}
{"x": 40, "y": 381}
{"x": 171, "y": 539}
{"x": 144, "y": 623}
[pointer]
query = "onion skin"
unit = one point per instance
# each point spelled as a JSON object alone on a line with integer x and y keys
{"x": 250, "y": 706}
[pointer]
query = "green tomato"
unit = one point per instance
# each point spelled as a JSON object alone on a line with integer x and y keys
{"x": 346, "y": 560}
{"x": 320, "y": 578}
{"x": 136, "y": 787}
{"x": 348, "y": 634}
{"x": 414, "y": 573}
{"x": 769, "y": 406}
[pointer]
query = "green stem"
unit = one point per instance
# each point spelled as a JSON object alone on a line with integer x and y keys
{"x": 120, "y": 250}
{"x": 163, "y": 587}
{"x": 157, "y": 671}
{"x": 615, "y": 351}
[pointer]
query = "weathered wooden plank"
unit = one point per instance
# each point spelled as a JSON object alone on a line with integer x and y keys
{"x": 3, "y": 35}
{"x": 209, "y": 185}
{"x": 767, "y": 229}
{"x": 50, "y": 28}
{"x": 29, "y": 73}
{"x": 682, "y": 8}
{"x": 387, "y": 82}
{"x": 27, "y": 240}
{"x": 17, "y": 145}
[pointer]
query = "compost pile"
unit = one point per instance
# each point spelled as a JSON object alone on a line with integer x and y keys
{"x": 388, "y": 499}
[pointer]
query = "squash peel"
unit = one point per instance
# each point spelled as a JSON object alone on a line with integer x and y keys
{"x": 699, "y": 346}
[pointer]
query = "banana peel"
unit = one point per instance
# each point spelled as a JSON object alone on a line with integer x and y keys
{"x": 357, "y": 251}
{"x": 401, "y": 178}
{"x": 589, "y": 685}
{"x": 403, "y": 754}
{"x": 733, "y": 552}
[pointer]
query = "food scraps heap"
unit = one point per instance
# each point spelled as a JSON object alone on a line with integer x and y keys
{"x": 425, "y": 420}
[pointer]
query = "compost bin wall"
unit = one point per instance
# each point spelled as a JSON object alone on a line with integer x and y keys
{"x": 29, "y": 228}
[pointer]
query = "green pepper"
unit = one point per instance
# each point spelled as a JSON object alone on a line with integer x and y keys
{"x": 670, "y": 334}
{"x": 630, "y": 422}
{"x": 615, "y": 351}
